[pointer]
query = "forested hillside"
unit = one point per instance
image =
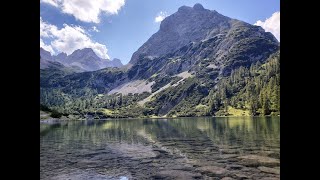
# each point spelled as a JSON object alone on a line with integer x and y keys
{"x": 199, "y": 63}
{"x": 247, "y": 91}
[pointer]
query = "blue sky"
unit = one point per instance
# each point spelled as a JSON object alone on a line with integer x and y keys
{"x": 117, "y": 28}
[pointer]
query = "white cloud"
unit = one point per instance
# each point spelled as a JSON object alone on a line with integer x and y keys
{"x": 51, "y": 2}
{"x": 87, "y": 10}
{"x": 69, "y": 39}
{"x": 46, "y": 47}
{"x": 160, "y": 17}
{"x": 95, "y": 29}
{"x": 46, "y": 28}
{"x": 271, "y": 24}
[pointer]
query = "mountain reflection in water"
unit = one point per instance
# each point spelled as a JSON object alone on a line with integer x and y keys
{"x": 181, "y": 148}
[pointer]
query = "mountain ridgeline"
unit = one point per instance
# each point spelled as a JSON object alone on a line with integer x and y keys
{"x": 199, "y": 63}
{"x": 79, "y": 61}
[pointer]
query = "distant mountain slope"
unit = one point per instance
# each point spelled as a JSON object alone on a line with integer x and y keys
{"x": 82, "y": 59}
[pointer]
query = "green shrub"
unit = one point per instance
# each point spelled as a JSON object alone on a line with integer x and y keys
{"x": 44, "y": 108}
{"x": 55, "y": 114}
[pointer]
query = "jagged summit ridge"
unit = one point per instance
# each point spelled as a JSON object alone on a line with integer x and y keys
{"x": 188, "y": 24}
{"x": 85, "y": 59}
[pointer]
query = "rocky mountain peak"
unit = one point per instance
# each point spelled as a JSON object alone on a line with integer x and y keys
{"x": 85, "y": 51}
{"x": 85, "y": 59}
{"x": 116, "y": 60}
{"x": 184, "y": 9}
{"x": 188, "y": 24}
{"x": 198, "y": 7}
{"x": 61, "y": 57}
{"x": 45, "y": 54}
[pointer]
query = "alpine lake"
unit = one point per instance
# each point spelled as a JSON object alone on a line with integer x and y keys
{"x": 176, "y": 148}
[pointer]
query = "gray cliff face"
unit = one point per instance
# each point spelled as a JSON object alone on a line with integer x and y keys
{"x": 45, "y": 55}
{"x": 116, "y": 63}
{"x": 193, "y": 36}
{"x": 186, "y": 25}
{"x": 85, "y": 59}
{"x": 46, "y": 60}
{"x": 113, "y": 63}
{"x": 61, "y": 57}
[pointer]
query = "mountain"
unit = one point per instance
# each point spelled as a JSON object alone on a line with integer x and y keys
{"x": 44, "y": 64}
{"x": 199, "y": 63}
{"x": 115, "y": 62}
{"x": 61, "y": 57}
{"x": 80, "y": 60}
{"x": 45, "y": 55}
{"x": 85, "y": 59}
{"x": 46, "y": 60}
{"x": 192, "y": 25}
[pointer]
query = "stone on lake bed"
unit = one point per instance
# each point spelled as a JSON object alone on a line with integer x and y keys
{"x": 183, "y": 168}
{"x": 144, "y": 161}
{"x": 234, "y": 167}
{"x": 215, "y": 170}
{"x": 160, "y": 150}
{"x": 227, "y": 156}
{"x": 242, "y": 176}
{"x": 229, "y": 151}
{"x": 177, "y": 174}
{"x": 269, "y": 170}
{"x": 227, "y": 178}
{"x": 271, "y": 154}
{"x": 269, "y": 178}
{"x": 255, "y": 161}
{"x": 134, "y": 151}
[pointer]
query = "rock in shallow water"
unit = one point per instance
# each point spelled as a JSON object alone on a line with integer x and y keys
{"x": 270, "y": 178}
{"x": 229, "y": 151}
{"x": 227, "y": 178}
{"x": 212, "y": 170}
{"x": 255, "y": 161}
{"x": 269, "y": 170}
{"x": 176, "y": 174}
{"x": 234, "y": 167}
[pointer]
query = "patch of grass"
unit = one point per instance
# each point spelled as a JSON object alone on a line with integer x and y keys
{"x": 201, "y": 106}
{"x": 153, "y": 116}
{"x": 44, "y": 115}
{"x": 109, "y": 111}
{"x": 154, "y": 75}
{"x": 237, "y": 112}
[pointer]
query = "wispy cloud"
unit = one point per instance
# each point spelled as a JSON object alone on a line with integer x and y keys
{"x": 160, "y": 16}
{"x": 87, "y": 10}
{"x": 51, "y": 2}
{"x": 95, "y": 29}
{"x": 68, "y": 39}
{"x": 46, "y": 47}
{"x": 271, "y": 24}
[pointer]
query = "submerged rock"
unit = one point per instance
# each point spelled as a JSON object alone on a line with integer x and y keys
{"x": 212, "y": 170}
{"x": 242, "y": 176}
{"x": 269, "y": 170}
{"x": 176, "y": 174}
{"x": 227, "y": 178}
{"x": 255, "y": 161}
{"x": 234, "y": 167}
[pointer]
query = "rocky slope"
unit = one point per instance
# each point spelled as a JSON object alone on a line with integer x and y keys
{"x": 193, "y": 24}
{"x": 193, "y": 51}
